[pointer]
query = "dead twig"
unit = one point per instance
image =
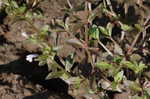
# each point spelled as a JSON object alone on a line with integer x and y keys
{"x": 70, "y": 5}
{"x": 110, "y": 53}
{"x": 138, "y": 35}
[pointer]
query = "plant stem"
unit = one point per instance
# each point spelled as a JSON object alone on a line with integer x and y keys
{"x": 109, "y": 4}
{"x": 89, "y": 6}
{"x": 69, "y": 3}
{"x": 110, "y": 53}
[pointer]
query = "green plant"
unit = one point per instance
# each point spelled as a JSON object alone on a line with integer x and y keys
{"x": 88, "y": 64}
{"x": 88, "y": 42}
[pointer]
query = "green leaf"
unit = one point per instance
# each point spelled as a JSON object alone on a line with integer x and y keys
{"x": 139, "y": 27}
{"x": 136, "y": 87}
{"x": 126, "y": 27}
{"x": 103, "y": 30}
{"x": 117, "y": 59}
{"x": 147, "y": 91}
{"x": 103, "y": 65}
{"x": 137, "y": 68}
{"x": 22, "y": 9}
{"x": 55, "y": 74}
{"x": 109, "y": 27}
{"x": 69, "y": 62}
{"x": 128, "y": 63}
{"x": 118, "y": 77}
{"x": 94, "y": 32}
{"x": 140, "y": 67}
{"x": 114, "y": 85}
{"x": 14, "y": 4}
{"x": 28, "y": 15}
{"x": 65, "y": 76}
{"x": 42, "y": 59}
{"x": 45, "y": 28}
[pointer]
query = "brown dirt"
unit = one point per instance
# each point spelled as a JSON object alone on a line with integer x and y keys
{"x": 14, "y": 86}
{"x": 18, "y": 78}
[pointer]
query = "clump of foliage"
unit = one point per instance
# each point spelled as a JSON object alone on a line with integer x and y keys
{"x": 107, "y": 56}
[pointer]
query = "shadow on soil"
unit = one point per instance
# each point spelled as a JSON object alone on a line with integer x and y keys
{"x": 36, "y": 75}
